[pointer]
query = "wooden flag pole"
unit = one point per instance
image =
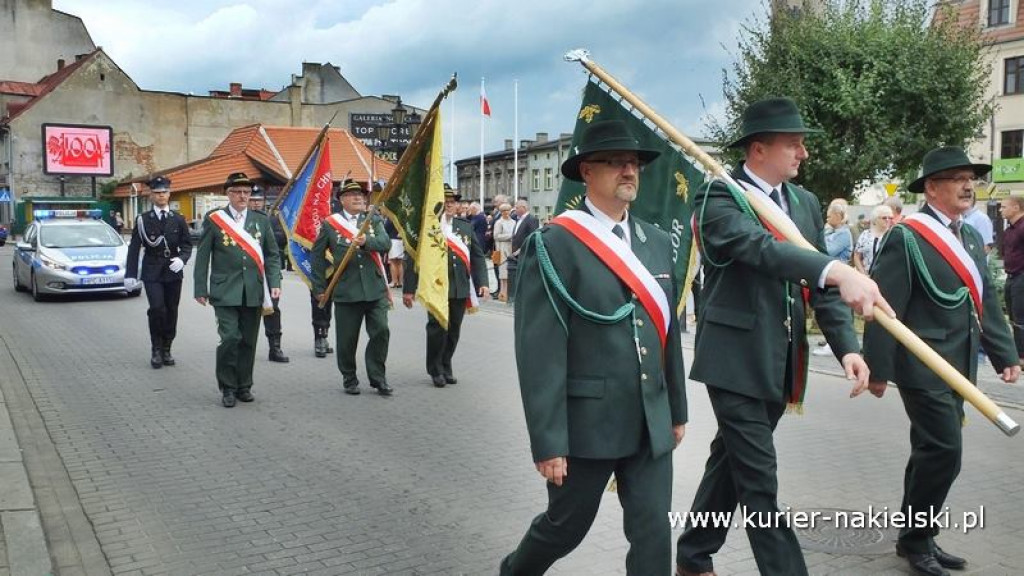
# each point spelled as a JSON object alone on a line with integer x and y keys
{"x": 960, "y": 384}
{"x": 397, "y": 176}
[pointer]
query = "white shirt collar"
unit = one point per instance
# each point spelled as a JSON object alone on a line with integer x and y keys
{"x": 765, "y": 187}
{"x": 347, "y": 216}
{"x": 607, "y": 220}
{"x": 946, "y": 220}
{"x": 236, "y": 214}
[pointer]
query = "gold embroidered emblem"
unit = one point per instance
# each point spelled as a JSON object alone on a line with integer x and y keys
{"x": 682, "y": 186}
{"x": 588, "y": 112}
{"x": 574, "y": 202}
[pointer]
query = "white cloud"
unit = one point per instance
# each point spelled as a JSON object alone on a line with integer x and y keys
{"x": 669, "y": 51}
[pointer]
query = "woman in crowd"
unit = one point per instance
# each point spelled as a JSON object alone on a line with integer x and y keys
{"x": 504, "y": 226}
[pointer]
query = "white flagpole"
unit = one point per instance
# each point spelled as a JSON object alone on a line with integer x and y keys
{"x": 451, "y": 130}
{"x": 515, "y": 148}
{"x": 481, "y": 106}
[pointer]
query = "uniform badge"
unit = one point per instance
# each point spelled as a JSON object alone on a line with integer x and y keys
{"x": 640, "y": 234}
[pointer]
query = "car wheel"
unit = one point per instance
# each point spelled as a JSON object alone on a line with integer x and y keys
{"x": 17, "y": 283}
{"x": 35, "y": 290}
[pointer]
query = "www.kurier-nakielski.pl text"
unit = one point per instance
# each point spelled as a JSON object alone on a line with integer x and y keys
{"x": 872, "y": 518}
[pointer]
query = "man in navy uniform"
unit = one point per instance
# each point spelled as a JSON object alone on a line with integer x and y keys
{"x": 162, "y": 236}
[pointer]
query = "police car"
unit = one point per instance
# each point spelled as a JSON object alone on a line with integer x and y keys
{"x": 70, "y": 252}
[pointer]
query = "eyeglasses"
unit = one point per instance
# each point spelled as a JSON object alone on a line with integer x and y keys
{"x": 885, "y": 218}
{"x": 961, "y": 180}
{"x": 244, "y": 191}
{"x": 619, "y": 163}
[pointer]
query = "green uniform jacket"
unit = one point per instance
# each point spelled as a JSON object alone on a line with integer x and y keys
{"x": 458, "y": 275}
{"x": 589, "y": 389}
{"x": 953, "y": 332}
{"x": 752, "y": 310}
{"x": 362, "y": 280}
{"x": 225, "y": 273}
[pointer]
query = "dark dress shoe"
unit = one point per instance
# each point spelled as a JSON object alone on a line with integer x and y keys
{"x": 438, "y": 381}
{"x": 228, "y": 401}
{"x": 277, "y": 355}
{"x": 449, "y": 379}
{"x": 168, "y": 359}
{"x": 352, "y": 390}
{"x": 925, "y": 565}
{"x": 157, "y": 360}
{"x": 383, "y": 389}
{"x": 245, "y": 396}
{"x": 320, "y": 347}
{"x": 947, "y": 560}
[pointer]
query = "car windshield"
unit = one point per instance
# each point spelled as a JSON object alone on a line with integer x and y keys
{"x": 78, "y": 236}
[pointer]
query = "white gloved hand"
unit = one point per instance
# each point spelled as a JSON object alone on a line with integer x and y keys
{"x": 130, "y": 284}
{"x": 176, "y": 265}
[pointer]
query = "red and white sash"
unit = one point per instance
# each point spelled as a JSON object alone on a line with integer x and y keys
{"x": 617, "y": 256}
{"x": 456, "y": 245}
{"x": 249, "y": 245}
{"x": 349, "y": 230}
{"x": 952, "y": 251}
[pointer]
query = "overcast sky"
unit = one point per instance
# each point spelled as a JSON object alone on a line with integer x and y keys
{"x": 670, "y": 52}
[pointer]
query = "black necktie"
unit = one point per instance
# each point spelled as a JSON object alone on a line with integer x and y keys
{"x": 162, "y": 214}
{"x": 618, "y": 231}
{"x": 776, "y": 197}
{"x": 955, "y": 227}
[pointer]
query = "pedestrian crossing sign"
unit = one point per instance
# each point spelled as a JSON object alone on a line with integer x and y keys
{"x": 5, "y": 195}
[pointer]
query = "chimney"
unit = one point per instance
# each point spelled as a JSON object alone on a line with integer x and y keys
{"x": 542, "y": 137}
{"x": 236, "y": 90}
{"x": 60, "y": 64}
{"x": 508, "y": 144}
{"x": 525, "y": 143}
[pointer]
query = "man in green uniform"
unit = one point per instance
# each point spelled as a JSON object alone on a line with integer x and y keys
{"x": 238, "y": 271}
{"x": 272, "y": 322}
{"x": 467, "y": 274}
{"x": 362, "y": 291}
{"x": 931, "y": 268}
{"x": 600, "y": 362}
{"x": 754, "y": 298}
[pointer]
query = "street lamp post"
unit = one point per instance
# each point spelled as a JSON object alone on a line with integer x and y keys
{"x": 387, "y": 132}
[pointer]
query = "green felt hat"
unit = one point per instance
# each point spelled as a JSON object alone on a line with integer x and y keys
{"x": 779, "y": 115}
{"x": 946, "y": 158}
{"x": 605, "y": 136}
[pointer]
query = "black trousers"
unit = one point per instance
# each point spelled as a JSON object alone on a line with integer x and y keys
{"x": 321, "y": 316}
{"x": 742, "y": 471}
{"x": 936, "y": 447}
{"x": 645, "y": 492}
{"x": 163, "y": 300}
{"x": 272, "y": 322}
{"x": 1013, "y": 293}
{"x": 441, "y": 343}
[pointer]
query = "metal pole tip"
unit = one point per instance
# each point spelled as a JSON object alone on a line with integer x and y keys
{"x": 1006, "y": 424}
{"x": 577, "y": 55}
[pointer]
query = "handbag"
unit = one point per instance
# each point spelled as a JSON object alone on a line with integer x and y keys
{"x": 496, "y": 257}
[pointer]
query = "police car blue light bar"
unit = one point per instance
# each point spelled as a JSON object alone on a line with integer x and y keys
{"x": 95, "y": 214}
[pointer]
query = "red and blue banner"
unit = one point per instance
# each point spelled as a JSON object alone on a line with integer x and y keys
{"x": 306, "y": 205}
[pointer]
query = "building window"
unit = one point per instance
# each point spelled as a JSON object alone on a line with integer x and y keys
{"x": 1013, "y": 144}
{"x": 1014, "y": 76}
{"x": 548, "y": 179}
{"x": 998, "y": 12}
{"x": 536, "y": 179}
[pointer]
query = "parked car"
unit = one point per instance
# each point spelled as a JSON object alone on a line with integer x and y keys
{"x": 3, "y": 235}
{"x": 70, "y": 252}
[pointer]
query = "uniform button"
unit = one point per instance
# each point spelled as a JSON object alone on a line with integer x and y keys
{"x": 639, "y": 322}
{"x": 643, "y": 351}
{"x": 643, "y": 376}
{"x": 360, "y": 266}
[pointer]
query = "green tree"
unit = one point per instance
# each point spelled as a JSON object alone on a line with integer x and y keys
{"x": 883, "y": 80}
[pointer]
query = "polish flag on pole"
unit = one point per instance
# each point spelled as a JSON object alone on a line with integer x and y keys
{"x": 485, "y": 106}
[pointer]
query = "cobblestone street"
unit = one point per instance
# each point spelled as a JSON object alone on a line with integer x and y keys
{"x": 141, "y": 472}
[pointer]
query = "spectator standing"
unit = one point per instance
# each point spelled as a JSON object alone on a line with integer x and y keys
{"x": 870, "y": 239}
{"x": 982, "y": 223}
{"x": 504, "y": 226}
{"x": 1012, "y": 210}
{"x": 838, "y": 240}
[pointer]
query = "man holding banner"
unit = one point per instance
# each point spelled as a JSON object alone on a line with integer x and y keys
{"x": 600, "y": 362}
{"x": 361, "y": 293}
{"x": 467, "y": 280}
{"x": 756, "y": 291}
{"x": 933, "y": 271}
{"x": 238, "y": 271}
